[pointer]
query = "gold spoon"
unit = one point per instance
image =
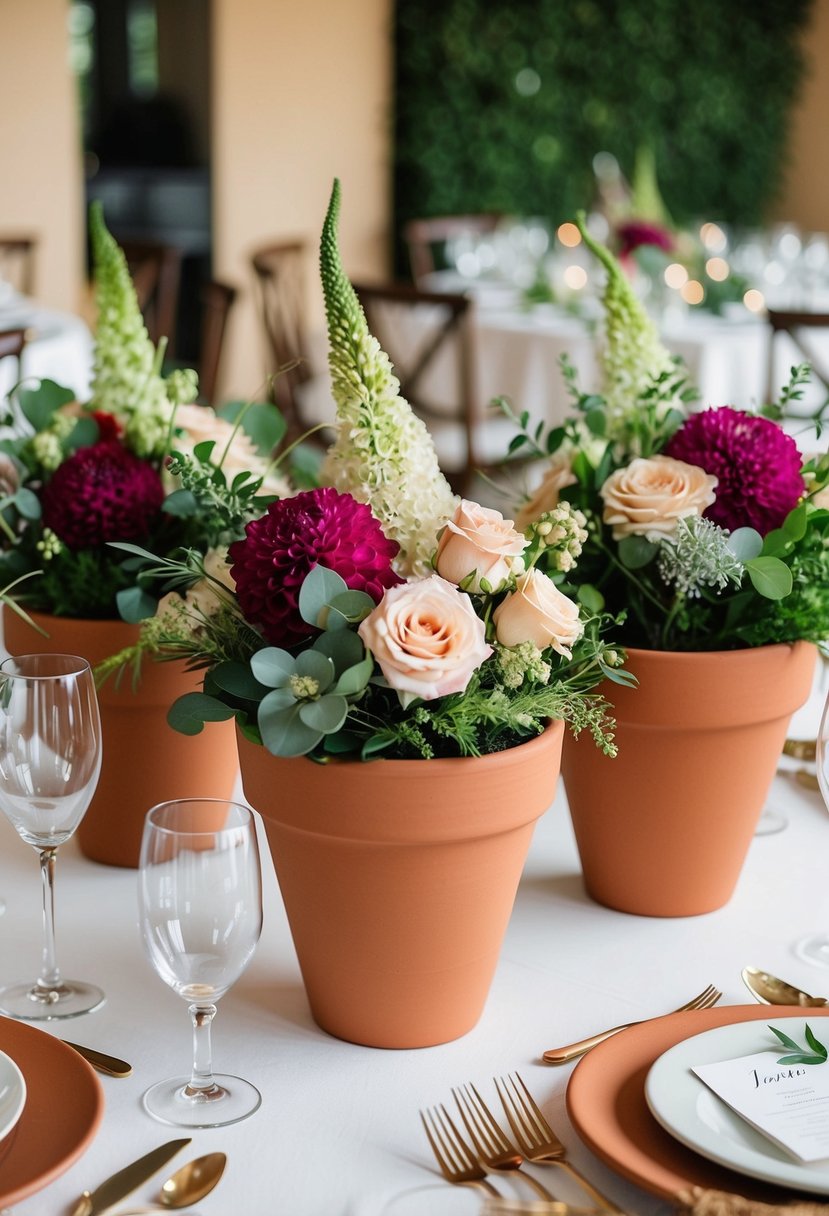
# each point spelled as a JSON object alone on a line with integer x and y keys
{"x": 769, "y": 990}
{"x": 190, "y": 1183}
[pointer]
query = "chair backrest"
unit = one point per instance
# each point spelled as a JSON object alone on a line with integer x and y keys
{"x": 422, "y": 236}
{"x": 156, "y": 273}
{"x": 420, "y": 330}
{"x": 796, "y": 325}
{"x": 217, "y": 300}
{"x": 17, "y": 262}
{"x": 12, "y": 342}
{"x": 280, "y": 276}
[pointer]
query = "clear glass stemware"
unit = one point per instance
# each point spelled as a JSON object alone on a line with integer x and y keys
{"x": 200, "y": 906}
{"x": 50, "y": 760}
{"x": 815, "y": 948}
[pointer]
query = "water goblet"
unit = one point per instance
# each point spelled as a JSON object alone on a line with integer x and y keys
{"x": 50, "y": 760}
{"x": 200, "y": 907}
{"x": 815, "y": 947}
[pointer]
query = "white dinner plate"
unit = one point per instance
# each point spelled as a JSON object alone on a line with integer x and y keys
{"x": 12, "y": 1094}
{"x": 692, "y": 1113}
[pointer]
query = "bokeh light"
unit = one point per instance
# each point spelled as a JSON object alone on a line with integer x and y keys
{"x": 693, "y": 292}
{"x": 717, "y": 269}
{"x": 575, "y": 277}
{"x": 754, "y": 300}
{"x": 569, "y": 235}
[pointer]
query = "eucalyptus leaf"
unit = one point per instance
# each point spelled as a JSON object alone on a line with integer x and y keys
{"x": 262, "y": 421}
{"x": 239, "y": 681}
{"x": 796, "y": 522}
{"x": 181, "y": 503}
{"x": 591, "y": 597}
{"x": 319, "y": 587}
{"x": 39, "y": 404}
{"x": 343, "y": 647}
{"x": 277, "y": 700}
{"x": 85, "y": 432}
{"x": 284, "y": 733}
{"x": 135, "y": 604}
{"x": 189, "y": 713}
{"x": 355, "y": 679}
{"x": 745, "y": 543}
{"x": 318, "y": 666}
{"x": 770, "y": 577}
{"x": 27, "y": 503}
{"x": 355, "y": 605}
{"x": 325, "y": 715}
{"x": 636, "y": 552}
{"x": 272, "y": 666}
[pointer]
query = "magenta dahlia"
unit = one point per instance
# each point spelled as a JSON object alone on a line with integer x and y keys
{"x": 634, "y": 233}
{"x": 101, "y": 493}
{"x": 318, "y": 527}
{"x": 757, "y": 466}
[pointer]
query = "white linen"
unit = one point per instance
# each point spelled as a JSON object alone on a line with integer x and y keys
{"x": 59, "y": 347}
{"x": 338, "y": 1132}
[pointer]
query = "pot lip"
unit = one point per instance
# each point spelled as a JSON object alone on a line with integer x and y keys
{"x": 687, "y": 656}
{"x": 97, "y": 622}
{"x": 490, "y": 759}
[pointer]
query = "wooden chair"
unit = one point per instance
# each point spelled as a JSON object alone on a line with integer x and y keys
{"x": 17, "y": 262}
{"x": 217, "y": 300}
{"x": 156, "y": 273}
{"x": 795, "y": 325}
{"x": 280, "y": 276}
{"x": 423, "y": 235}
{"x": 430, "y": 338}
{"x": 12, "y": 343}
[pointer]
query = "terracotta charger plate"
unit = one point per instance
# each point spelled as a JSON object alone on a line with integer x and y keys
{"x": 607, "y": 1107}
{"x": 64, "y": 1108}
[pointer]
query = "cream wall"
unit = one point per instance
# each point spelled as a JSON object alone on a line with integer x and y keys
{"x": 805, "y": 197}
{"x": 40, "y": 152}
{"x": 301, "y": 94}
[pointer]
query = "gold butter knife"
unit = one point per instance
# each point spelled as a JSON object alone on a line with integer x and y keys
{"x": 110, "y": 1065}
{"x": 116, "y": 1188}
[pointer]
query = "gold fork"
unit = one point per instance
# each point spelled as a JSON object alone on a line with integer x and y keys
{"x": 563, "y": 1055}
{"x": 493, "y": 1148}
{"x": 454, "y": 1157}
{"x": 534, "y": 1136}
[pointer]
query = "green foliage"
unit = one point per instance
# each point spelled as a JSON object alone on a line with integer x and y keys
{"x": 502, "y": 106}
{"x": 814, "y": 1053}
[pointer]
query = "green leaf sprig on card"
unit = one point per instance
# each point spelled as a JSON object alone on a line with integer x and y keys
{"x": 813, "y": 1053}
{"x": 708, "y": 528}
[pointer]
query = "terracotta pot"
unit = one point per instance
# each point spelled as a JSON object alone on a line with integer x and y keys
{"x": 144, "y": 760}
{"x": 398, "y": 878}
{"x": 663, "y": 828}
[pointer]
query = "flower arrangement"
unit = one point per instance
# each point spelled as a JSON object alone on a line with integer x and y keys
{"x": 377, "y": 614}
{"x": 707, "y": 529}
{"x": 76, "y": 478}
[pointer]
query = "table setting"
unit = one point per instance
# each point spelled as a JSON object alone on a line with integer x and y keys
{"x": 58, "y": 343}
{"x": 433, "y": 990}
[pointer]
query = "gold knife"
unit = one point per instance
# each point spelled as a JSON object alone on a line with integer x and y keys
{"x": 111, "y": 1065}
{"x": 126, "y": 1180}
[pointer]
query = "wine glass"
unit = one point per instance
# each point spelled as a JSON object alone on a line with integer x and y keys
{"x": 200, "y": 906}
{"x": 815, "y": 947}
{"x": 50, "y": 760}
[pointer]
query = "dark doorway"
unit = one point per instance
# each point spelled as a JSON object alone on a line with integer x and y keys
{"x": 143, "y": 69}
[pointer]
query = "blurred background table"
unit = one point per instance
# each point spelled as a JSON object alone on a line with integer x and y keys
{"x": 58, "y": 346}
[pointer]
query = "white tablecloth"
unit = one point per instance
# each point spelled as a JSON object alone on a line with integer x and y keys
{"x": 518, "y": 349}
{"x": 338, "y": 1132}
{"x": 59, "y": 347}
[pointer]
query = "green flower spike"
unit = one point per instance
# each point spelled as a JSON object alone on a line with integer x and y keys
{"x": 383, "y": 454}
{"x": 126, "y": 380}
{"x": 633, "y": 358}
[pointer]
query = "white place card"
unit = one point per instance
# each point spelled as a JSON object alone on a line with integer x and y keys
{"x": 789, "y": 1103}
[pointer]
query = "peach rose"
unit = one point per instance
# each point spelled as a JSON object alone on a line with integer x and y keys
{"x": 426, "y": 637}
{"x": 546, "y": 495}
{"x": 649, "y": 496}
{"x": 538, "y": 612}
{"x": 200, "y": 423}
{"x": 478, "y": 541}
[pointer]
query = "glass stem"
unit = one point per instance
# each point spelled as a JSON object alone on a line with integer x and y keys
{"x": 201, "y": 1080}
{"x": 49, "y": 972}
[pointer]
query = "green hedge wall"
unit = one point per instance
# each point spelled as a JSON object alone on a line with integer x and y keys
{"x": 502, "y": 105}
